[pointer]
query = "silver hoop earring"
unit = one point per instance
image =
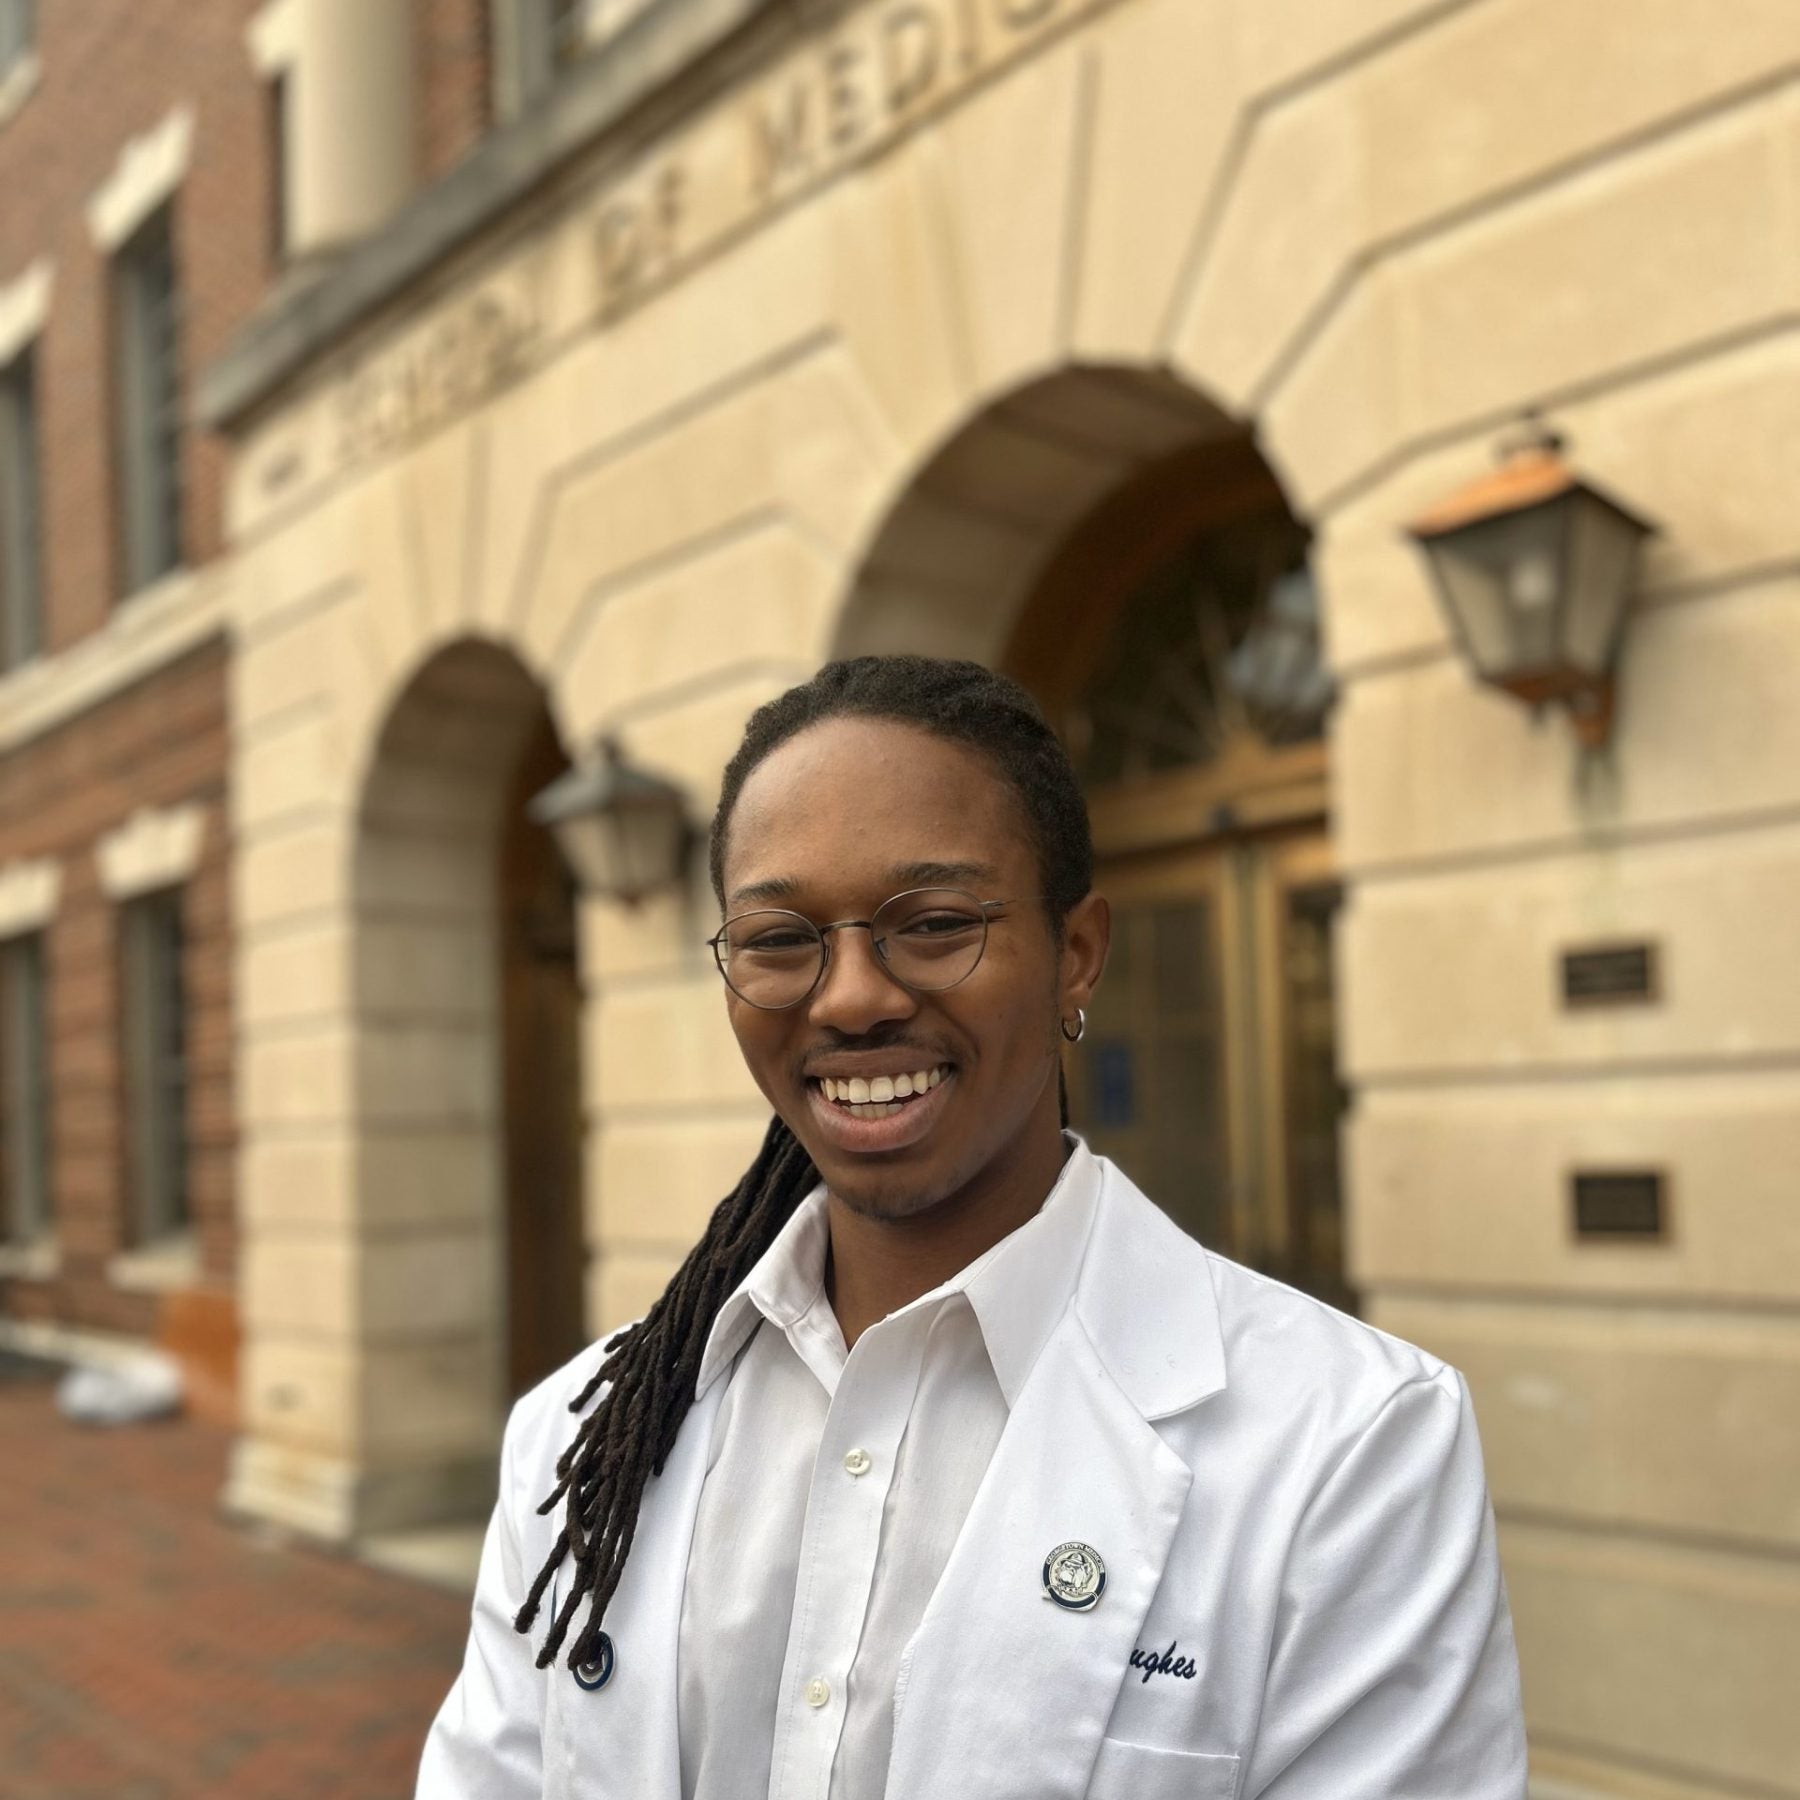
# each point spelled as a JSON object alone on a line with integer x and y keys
{"x": 1075, "y": 1036}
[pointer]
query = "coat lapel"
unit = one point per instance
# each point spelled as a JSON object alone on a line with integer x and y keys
{"x": 623, "y": 1738}
{"x": 1077, "y": 1461}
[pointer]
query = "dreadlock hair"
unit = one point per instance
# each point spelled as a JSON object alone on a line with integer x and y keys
{"x": 650, "y": 1370}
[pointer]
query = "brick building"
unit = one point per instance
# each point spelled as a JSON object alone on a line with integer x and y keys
{"x": 134, "y": 240}
{"x": 147, "y": 208}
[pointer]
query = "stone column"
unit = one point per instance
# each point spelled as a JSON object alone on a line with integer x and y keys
{"x": 350, "y": 121}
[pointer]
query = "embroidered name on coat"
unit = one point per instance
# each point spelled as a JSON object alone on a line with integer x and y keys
{"x": 1163, "y": 1662}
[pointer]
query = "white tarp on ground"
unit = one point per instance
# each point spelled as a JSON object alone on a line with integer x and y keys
{"x": 143, "y": 1386}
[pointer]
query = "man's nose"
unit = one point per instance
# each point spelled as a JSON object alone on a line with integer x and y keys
{"x": 857, "y": 990}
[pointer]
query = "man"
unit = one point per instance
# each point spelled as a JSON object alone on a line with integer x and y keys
{"x": 947, "y": 1465}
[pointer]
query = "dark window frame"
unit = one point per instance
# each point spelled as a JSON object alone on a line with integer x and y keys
{"x": 278, "y": 102}
{"x": 18, "y": 31}
{"x": 21, "y": 512}
{"x": 149, "y": 440}
{"x": 153, "y": 1017}
{"x": 535, "y": 42}
{"x": 26, "y": 1218}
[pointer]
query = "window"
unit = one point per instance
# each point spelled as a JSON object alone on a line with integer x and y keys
{"x": 156, "y": 1075}
{"x": 1216, "y": 651}
{"x": 18, "y": 31}
{"x": 21, "y": 610}
{"x": 535, "y": 41}
{"x": 24, "y": 1091}
{"x": 147, "y": 373}
{"x": 568, "y": 30}
{"x": 277, "y": 105}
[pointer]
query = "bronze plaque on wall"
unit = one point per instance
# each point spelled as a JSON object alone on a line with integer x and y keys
{"x": 1619, "y": 1203}
{"x": 1609, "y": 975}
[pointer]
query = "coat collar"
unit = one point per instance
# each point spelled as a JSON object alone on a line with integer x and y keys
{"x": 1142, "y": 1289}
{"x": 1147, "y": 1302}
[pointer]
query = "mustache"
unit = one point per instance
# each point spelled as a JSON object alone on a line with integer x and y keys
{"x": 870, "y": 1043}
{"x": 841, "y": 1043}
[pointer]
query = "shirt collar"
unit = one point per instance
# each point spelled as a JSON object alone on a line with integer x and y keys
{"x": 1022, "y": 1287}
{"x": 1018, "y": 1290}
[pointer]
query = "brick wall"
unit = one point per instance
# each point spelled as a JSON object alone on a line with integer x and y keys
{"x": 161, "y": 743}
{"x": 454, "y": 82}
{"x": 111, "y": 70}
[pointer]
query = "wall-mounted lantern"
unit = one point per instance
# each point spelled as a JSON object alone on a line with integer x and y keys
{"x": 1535, "y": 568}
{"x": 623, "y": 831}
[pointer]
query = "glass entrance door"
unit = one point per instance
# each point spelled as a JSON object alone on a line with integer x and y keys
{"x": 1208, "y": 1071}
{"x": 1147, "y": 1084}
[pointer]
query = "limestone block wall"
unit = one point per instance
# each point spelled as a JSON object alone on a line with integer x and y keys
{"x": 1372, "y": 230}
{"x": 1615, "y": 248}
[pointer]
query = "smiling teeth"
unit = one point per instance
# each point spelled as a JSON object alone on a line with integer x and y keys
{"x": 877, "y": 1098}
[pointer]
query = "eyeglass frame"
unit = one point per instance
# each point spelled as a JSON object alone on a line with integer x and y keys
{"x": 715, "y": 942}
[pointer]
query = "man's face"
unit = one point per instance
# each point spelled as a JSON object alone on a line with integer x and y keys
{"x": 831, "y": 824}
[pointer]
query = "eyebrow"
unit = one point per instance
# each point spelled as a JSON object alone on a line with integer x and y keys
{"x": 903, "y": 875}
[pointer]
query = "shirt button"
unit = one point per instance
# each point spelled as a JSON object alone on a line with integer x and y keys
{"x": 818, "y": 1691}
{"x": 856, "y": 1462}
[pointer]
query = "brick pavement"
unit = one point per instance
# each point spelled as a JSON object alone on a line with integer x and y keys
{"x": 149, "y": 1650}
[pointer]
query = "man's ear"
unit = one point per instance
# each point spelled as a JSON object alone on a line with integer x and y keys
{"x": 1087, "y": 934}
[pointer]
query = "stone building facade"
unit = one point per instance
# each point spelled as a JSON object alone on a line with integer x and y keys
{"x": 1114, "y": 343}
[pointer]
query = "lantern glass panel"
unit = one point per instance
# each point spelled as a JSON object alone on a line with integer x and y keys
{"x": 1504, "y": 579}
{"x": 589, "y": 846}
{"x": 650, "y": 847}
{"x": 1603, "y": 545}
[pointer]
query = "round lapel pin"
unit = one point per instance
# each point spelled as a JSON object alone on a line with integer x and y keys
{"x": 596, "y": 1674}
{"x": 1074, "y": 1576}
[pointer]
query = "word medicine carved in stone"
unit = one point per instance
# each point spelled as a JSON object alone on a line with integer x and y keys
{"x": 844, "y": 97}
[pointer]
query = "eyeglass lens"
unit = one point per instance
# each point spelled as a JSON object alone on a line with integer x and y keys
{"x": 929, "y": 940}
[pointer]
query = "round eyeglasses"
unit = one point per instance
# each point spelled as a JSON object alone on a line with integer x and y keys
{"x": 928, "y": 939}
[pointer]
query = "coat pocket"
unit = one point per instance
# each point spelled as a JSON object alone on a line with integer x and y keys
{"x": 1137, "y": 1772}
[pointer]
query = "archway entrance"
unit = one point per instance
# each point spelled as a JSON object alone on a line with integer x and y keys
{"x": 467, "y": 1002}
{"x": 1119, "y": 545}
{"x": 1174, "y": 638}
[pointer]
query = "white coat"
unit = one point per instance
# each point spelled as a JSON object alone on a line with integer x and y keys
{"x": 1290, "y": 1505}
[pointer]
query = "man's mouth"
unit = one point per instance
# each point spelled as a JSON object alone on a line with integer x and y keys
{"x": 880, "y": 1096}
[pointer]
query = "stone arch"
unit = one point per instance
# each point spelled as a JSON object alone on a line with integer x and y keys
{"x": 434, "y": 911}
{"x": 949, "y": 566}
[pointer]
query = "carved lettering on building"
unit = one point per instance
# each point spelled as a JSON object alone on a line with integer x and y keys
{"x": 283, "y": 468}
{"x": 456, "y": 358}
{"x": 640, "y": 235}
{"x": 780, "y": 133}
{"x": 912, "y": 56}
{"x": 842, "y": 98}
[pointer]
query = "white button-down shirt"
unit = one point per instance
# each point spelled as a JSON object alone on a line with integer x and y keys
{"x": 836, "y": 1485}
